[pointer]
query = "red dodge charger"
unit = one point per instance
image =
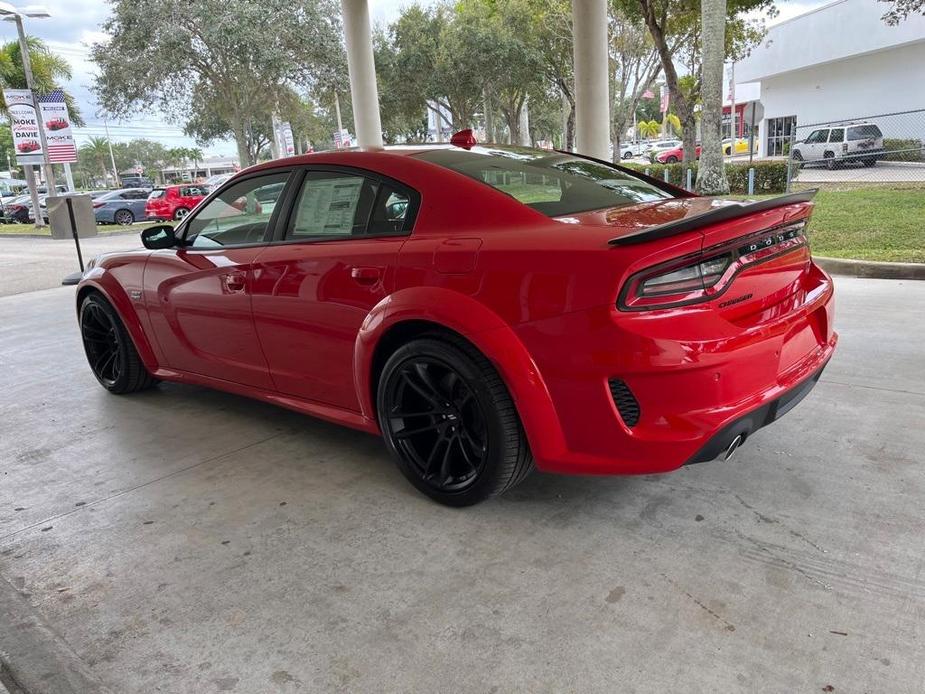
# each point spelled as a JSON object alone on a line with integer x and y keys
{"x": 487, "y": 309}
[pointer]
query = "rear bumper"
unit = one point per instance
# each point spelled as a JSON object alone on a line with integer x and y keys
{"x": 696, "y": 377}
{"x": 743, "y": 427}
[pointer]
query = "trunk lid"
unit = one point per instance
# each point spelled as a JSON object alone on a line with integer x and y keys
{"x": 768, "y": 255}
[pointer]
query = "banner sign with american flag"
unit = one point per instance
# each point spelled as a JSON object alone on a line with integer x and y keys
{"x": 24, "y": 124}
{"x": 57, "y": 125}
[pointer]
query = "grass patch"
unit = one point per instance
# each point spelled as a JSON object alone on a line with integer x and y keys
{"x": 869, "y": 224}
{"x": 102, "y": 229}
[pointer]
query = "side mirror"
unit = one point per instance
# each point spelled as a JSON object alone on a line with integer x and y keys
{"x": 160, "y": 236}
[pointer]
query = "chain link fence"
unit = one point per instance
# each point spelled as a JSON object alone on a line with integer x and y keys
{"x": 884, "y": 149}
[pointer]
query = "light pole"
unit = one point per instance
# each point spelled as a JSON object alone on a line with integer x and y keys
{"x": 11, "y": 14}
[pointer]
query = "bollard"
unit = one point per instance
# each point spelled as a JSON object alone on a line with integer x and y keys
{"x": 648, "y": 171}
{"x": 665, "y": 175}
{"x": 689, "y": 180}
{"x": 751, "y": 180}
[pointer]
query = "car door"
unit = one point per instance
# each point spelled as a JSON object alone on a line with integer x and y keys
{"x": 136, "y": 201}
{"x": 815, "y": 144}
{"x": 198, "y": 296}
{"x": 334, "y": 260}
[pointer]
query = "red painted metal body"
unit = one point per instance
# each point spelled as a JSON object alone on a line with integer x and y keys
{"x": 184, "y": 197}
{"x": 299, "y": 324}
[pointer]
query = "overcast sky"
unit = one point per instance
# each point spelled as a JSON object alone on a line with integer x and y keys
{"x": 75, "y": 24}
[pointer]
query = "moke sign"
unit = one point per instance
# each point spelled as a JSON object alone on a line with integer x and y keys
{"x": 25, "y": 126}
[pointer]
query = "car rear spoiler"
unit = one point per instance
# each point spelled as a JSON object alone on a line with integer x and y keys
{"x": 723, "y": 213}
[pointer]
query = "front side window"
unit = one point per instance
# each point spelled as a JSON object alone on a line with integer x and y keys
{"x": 238, "y": 215}
{"x": 191, "y": 191}
{"x": 553, "y": 183}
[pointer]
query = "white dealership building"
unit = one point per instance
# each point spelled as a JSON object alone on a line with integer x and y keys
{"x": 840, "y": 62}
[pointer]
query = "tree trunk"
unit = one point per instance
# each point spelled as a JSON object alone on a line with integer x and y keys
{"x": 682, "y": 108}
{"x": 570, "y": 124}
{"x": 489, "y": 117}
{"x": 711, "y": 174}
{"x": 240, "y": 139}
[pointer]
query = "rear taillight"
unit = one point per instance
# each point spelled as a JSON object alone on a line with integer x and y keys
{"x": 98, "y": 204}
{"x": 697, "y": 278}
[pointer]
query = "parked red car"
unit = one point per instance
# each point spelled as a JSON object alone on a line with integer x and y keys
{"x": 671, "y": 156}
{"x": 487, "y": 309}
{"x": 173, "y": 202}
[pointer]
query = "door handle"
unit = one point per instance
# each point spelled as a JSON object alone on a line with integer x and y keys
{"x": 365, "y": 275}
{"x": 234, "y": 281}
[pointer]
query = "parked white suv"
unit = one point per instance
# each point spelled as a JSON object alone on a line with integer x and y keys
{"x": 837, "y": 144}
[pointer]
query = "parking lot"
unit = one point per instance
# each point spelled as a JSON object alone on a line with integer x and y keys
{"x": 186, "y": 540}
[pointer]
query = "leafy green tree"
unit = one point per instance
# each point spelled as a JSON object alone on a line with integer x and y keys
{"x": 901, "y": 9}
{"x": 219, "y": 66}
{"x": 552, "y": 31}
{"x": 49, "y": 71}
{"x": 94, "y": 154}
{"x": 650, "y": 128}
{"x": 678, "y": 21}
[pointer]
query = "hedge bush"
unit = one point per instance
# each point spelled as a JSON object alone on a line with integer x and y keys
{"x": 770, "y": 176}
{"x": 902, "y": 150}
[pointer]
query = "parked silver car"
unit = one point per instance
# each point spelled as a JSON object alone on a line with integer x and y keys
{"x": 121, "y": 207}
{"x": 844, "y": 143}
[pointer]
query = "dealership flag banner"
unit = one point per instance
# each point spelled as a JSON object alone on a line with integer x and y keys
{"x": 25, "y": 126}
{"x": 57, "y": 123}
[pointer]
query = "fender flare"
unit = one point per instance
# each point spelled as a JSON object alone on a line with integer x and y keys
{"x": 488, "y": 332}
{"x": 98, "y": 279}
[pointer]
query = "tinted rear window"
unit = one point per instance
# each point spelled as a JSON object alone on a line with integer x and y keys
{"x": 864, "y": 132}
{"x": 553, "y": 183}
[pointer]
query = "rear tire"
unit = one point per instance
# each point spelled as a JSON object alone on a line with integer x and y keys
{"x": 110, "y": 351}
{"x": 671, "y": 160}
{"x": 870, "y": 162}
{"x": 450, "y": 423}
{"x": 180, "y": 213}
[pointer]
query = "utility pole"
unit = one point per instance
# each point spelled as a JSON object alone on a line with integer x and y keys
{"x": 112, "y": 158}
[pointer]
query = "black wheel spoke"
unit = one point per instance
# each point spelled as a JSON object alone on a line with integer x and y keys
{"x": 405, "y": 433}
{"x": 436, "y": 423}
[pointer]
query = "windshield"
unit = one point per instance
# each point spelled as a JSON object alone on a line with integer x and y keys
{"x": 553, "y": 183}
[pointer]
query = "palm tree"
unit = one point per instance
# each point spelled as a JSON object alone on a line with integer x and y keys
{"x": 48, "y": 71}
{"x": 711, "y": 174}
{"x": 673, "y": 122}
{"x": 649, "y": 128}
{"x": 95, "y": 152}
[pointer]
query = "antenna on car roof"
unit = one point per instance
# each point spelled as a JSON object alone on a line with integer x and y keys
{"x": 464, "y": 139}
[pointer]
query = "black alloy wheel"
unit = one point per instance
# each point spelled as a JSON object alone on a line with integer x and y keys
{"x": 124, "y": 217}
{"x": 450, "y": 423}
{"x": 109, "y": 349}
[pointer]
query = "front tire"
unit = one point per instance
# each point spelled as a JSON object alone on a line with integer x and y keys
{"x": 124, "y": 218}
{"x": 110, "y": 352}
{"x": 450, "y": 423}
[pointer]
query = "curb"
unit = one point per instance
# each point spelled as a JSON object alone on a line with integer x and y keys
{"x": 871, "y": 269}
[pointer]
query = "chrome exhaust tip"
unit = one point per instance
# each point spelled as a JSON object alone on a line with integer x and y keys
{"x": 733, "y": 447}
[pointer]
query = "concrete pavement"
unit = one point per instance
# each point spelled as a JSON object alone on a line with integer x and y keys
{"x": 184, "y": 540}
{"x": 29, "y": 264}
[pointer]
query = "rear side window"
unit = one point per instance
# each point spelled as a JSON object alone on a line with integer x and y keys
{"x": 552, "y": 183}
{"x": 159, "y": 193}
{"x": 864, "y": 132}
